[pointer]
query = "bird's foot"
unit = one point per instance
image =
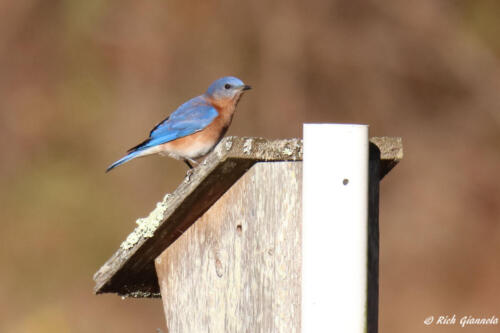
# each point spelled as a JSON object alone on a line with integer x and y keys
{"x": 189, "y": 173}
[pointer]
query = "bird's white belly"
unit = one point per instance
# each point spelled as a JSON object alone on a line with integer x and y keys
{"x": 195, "y": 150}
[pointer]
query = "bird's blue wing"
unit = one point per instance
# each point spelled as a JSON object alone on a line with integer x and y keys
{"x": 189, "y": 118}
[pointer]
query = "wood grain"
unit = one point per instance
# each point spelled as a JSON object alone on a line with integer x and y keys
{"x": 237, "y": 269}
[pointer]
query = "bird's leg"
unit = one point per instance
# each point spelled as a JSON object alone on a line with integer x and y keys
{"x": 190, "y": 163}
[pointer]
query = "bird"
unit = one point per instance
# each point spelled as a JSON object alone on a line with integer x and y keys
{"x": 195, "y": 127}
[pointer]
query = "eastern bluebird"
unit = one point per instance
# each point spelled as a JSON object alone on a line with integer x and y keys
{"x": 194, "y": 129}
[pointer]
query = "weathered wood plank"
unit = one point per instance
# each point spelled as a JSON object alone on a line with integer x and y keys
{"x": 237, "y": 269}
{"x": 391, "y": 152}
{"x": 130, "y": 271}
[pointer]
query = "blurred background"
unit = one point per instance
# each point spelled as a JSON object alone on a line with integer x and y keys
{"x": 82, "y": 81}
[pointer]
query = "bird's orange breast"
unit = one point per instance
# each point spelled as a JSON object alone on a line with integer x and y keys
{"x": 202, "y": 142}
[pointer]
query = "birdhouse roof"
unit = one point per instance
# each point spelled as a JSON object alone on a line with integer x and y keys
{"x": 130, "y": 272}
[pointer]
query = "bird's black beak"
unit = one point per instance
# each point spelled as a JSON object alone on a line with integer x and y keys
{"x": 245, "y": 87}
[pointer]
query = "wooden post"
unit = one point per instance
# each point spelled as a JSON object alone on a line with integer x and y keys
{"x": 237, "y": 269}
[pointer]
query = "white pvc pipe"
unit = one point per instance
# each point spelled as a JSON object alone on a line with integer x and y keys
{"x": 334, "y": 228}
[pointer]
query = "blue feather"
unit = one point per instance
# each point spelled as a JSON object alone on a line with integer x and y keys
{"x": 189, "y": 118}
{"x": 124, "y": 159}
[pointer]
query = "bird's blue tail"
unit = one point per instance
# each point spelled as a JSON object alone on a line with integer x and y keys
{"x": 124, "y": 159}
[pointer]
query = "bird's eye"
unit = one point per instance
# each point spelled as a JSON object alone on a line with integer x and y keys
{"x": 227, "y": 86}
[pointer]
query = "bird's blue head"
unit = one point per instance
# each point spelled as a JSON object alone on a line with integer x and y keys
{"x": 227, "y": 87}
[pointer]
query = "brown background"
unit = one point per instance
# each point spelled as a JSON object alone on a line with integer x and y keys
{"x": 82, "y": 81}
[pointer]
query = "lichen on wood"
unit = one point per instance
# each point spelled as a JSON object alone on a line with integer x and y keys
{"x": 146, "y": 226}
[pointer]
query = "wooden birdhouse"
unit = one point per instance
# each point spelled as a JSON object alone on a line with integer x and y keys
{"x": 265, "y": 236}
